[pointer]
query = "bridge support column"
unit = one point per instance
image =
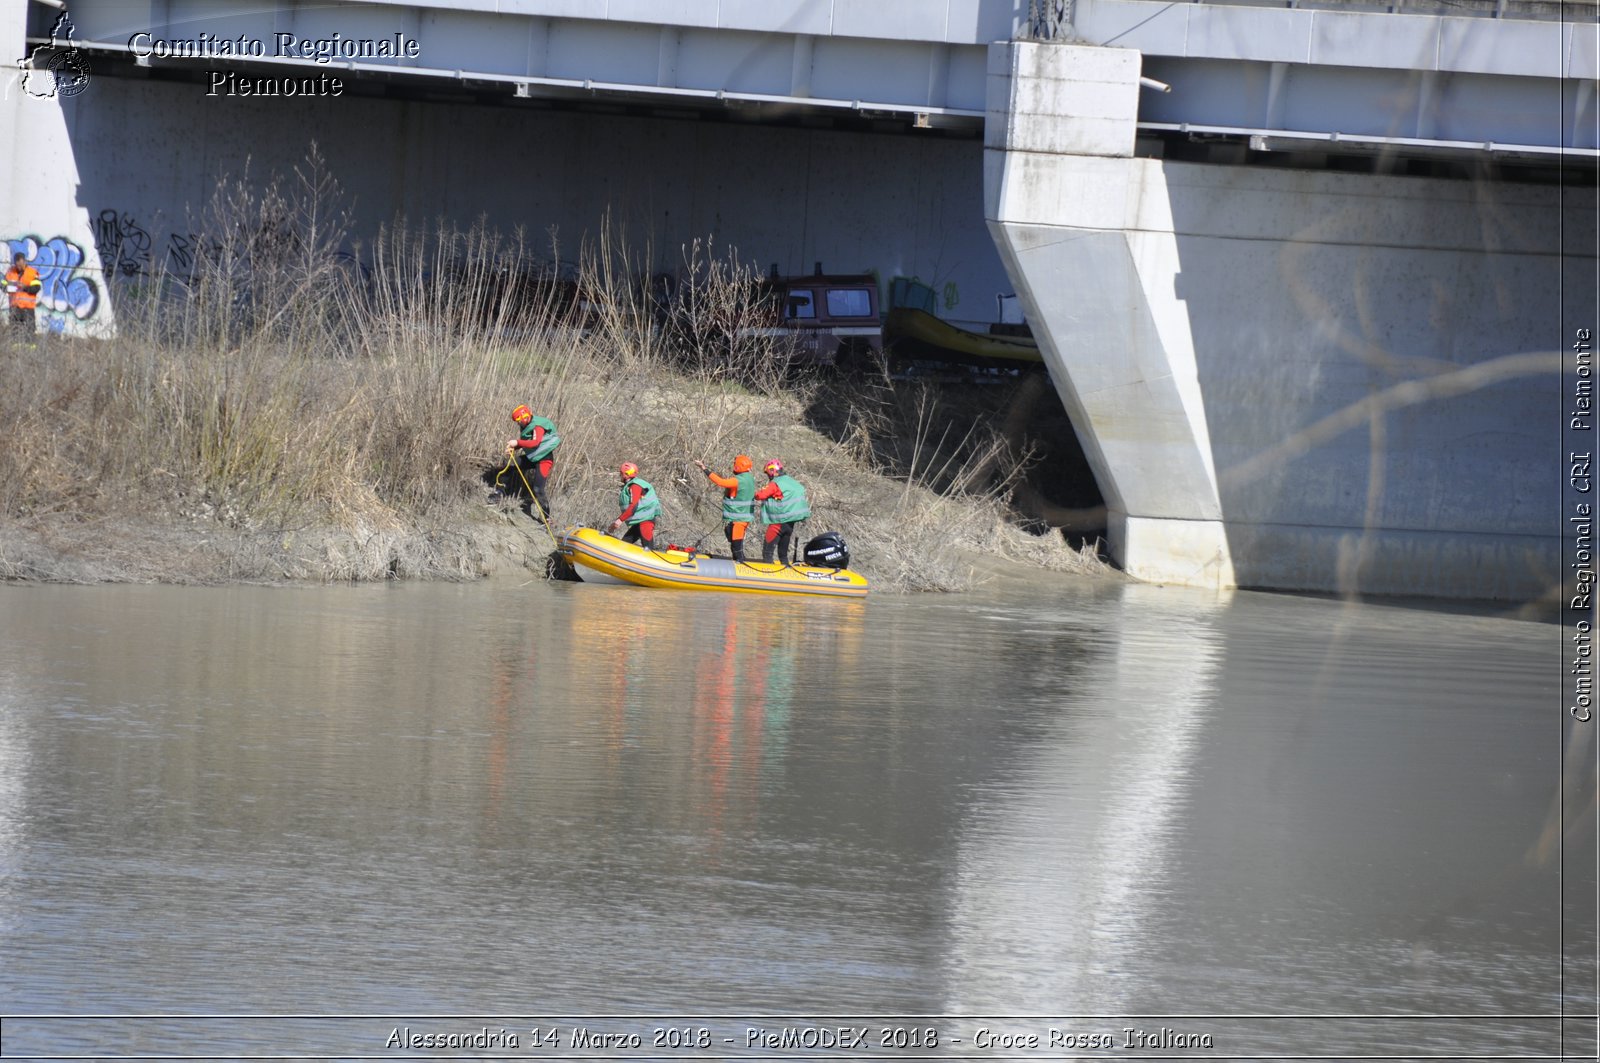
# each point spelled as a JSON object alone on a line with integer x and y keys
{"x": 1286, "y": 377}
{"x": 1059, "y": 178}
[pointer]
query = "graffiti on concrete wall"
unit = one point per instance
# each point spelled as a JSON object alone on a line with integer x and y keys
{"x": 70, "y": 291}
{"x": 128, "y": 249}
{"x": 123, "y": 244}
{"x": 181, "y": 251}
{"x": 66, "y": 288}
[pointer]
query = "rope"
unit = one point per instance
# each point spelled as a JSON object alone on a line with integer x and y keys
{"x": 534, "y": 499}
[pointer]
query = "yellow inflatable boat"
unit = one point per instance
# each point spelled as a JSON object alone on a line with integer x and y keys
{"x": 598, "y": 555}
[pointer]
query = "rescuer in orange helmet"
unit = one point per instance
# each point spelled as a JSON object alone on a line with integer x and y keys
{"x": 640, "y": 507}
{"x": 738, "y": 500}
{"x": 534, "y": 451}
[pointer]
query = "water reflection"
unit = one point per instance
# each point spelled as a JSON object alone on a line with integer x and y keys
{"x": 581, "y": 798}
{"x": 1056, "y": 878}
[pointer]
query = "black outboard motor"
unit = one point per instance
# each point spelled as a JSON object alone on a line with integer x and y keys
{"x": 827, "y": 551}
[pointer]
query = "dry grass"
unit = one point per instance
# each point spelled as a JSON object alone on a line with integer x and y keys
{"x": 283, "y": 413}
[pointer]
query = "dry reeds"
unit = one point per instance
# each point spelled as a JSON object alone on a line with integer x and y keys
{"x": 337, "y": 408}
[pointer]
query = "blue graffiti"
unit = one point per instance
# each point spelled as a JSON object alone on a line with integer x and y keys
{"x": 62, "y": 289}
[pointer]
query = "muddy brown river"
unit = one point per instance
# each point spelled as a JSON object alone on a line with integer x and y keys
{"x": 570, "y": 821}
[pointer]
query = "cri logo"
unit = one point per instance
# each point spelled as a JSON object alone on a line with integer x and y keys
{"x": 66, "y": 69}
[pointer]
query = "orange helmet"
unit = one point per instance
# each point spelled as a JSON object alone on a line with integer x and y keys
{"x": 629, "y": 470}
{"x": 741, "y": 463}
{"x": 522, "y": 415}
{"x": 773, "y": 467}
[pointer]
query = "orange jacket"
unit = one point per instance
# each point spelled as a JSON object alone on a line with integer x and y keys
{"x": 23, "y": 288}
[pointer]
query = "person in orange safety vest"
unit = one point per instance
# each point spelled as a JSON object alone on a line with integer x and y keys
{"x": 738, "y": 501}
{"x": 22, "y": 291}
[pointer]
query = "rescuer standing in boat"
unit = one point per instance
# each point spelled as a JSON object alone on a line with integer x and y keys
{"x": 738, "y": 500}
{"x": 534, "y": 451}
{"x": 783, "y": 505}
{"x": 640, "y": 507}
{"x": 22, "y": 292}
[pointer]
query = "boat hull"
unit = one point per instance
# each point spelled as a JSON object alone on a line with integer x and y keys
{"x": 914, "y": 332}
{"x": 593, "y": 552}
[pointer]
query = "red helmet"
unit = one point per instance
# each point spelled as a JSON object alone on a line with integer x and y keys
{"x": 522, "y": 415}
{"x": 773, "y": 467}
{"x": 629, "y": 470}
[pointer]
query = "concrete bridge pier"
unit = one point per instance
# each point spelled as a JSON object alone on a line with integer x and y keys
{"x": 1283, "y": 376}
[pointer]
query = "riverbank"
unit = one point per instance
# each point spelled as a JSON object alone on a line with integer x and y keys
{"x": 137, "y": 464}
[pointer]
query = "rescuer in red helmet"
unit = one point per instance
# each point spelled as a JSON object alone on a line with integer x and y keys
{"x": 534, "y": 451}
{"x": 640, "y": 507}
{"x": 783, "y": 505}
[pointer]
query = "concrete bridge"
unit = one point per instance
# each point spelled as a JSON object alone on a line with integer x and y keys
{"x": 1306, "y": 276}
